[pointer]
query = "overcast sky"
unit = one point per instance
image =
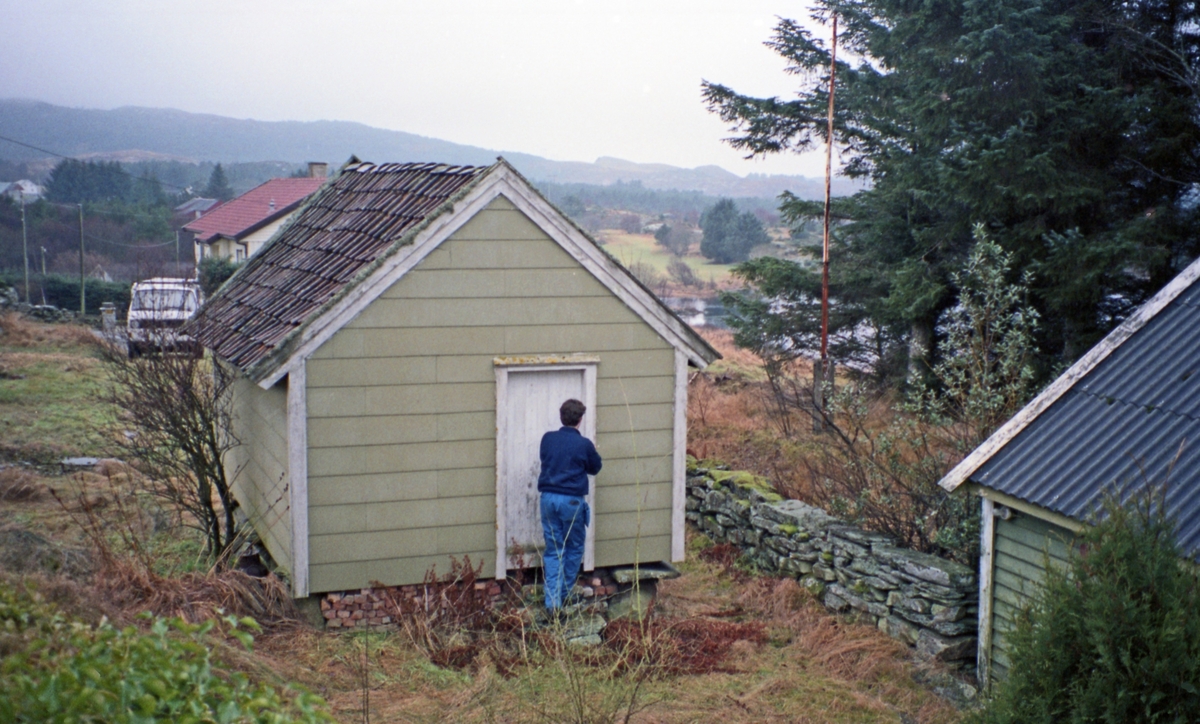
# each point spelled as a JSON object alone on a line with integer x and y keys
{"x": 568, "y": 80}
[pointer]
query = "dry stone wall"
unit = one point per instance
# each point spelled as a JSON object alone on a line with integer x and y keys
{"x": 923, "y": 600}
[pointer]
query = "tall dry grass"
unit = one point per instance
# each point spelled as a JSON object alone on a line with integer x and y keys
{"x": 732, "y": 418}
{"x": 19, "y": 331}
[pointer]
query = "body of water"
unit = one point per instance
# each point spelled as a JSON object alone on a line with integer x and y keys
{"x": 698, "y": 311}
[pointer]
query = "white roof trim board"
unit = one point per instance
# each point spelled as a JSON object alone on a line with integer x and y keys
{"x": 1001, "y": 437}
{"x": 500, "y": 180}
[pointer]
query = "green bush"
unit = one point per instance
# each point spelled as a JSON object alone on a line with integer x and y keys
{"x": 62, "y": 291}
{"x": 215, "y": 271}
{"x": 1112, "y": 637}
{"x": 56, "y": 670}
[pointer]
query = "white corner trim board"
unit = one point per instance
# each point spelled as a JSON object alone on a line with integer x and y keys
{"x": 679, "y": 460}
{"x": 500, "y": 182}
{"x": 1067, "y": 380}
{"x": 297, "y": 436}
{"x": 987, "y": 555}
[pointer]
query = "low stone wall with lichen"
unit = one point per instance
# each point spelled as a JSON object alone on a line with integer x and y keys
{"x": 923, "y": 600}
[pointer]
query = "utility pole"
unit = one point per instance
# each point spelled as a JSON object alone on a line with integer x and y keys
{"x": 82, "y": 288}
{"x": 823, "y": 371}
{"x": 25, "y": 246}
{"x": 177, "y": 252}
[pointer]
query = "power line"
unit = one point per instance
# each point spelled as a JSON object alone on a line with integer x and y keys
{"x": 94, "y": 210}
{"x": 72, "y": 158}
{"x": 129, "y": 246}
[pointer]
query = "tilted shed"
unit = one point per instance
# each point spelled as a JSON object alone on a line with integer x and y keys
{"x": 399, "y": 348}
{"x": 1121, "y": 417}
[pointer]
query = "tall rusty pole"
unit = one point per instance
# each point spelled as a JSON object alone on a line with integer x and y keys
{"x": 25, "y": 246}
{"x": 824, "y": 371}
{"x": 82, "y": 288}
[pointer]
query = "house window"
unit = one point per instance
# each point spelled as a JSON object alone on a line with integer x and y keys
{"x": 239, "y": 255}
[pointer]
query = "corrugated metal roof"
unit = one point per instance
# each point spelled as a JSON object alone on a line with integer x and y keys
{"x": 1120, "y": 426}
{"x": 342, "y": 230}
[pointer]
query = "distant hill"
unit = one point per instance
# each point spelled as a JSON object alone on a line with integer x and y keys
{"x": 142, "y": 134}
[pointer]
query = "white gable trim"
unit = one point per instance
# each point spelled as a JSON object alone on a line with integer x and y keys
{"x": 502, "y": 181}
{"x": 965, "y": 469}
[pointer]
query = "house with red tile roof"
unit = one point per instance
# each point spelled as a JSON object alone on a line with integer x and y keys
{"x": 238, "y": 228}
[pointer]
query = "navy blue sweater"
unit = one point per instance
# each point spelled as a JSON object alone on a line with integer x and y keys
{"x": 567, "y": 459}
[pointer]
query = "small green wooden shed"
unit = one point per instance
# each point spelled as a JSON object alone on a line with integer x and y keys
{"x": 399, "y": 348}
{"x": 1120, "y": 418}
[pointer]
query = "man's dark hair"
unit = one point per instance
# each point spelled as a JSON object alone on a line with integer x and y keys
{"x": 571, "y": 412}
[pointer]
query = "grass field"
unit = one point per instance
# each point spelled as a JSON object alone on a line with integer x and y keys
{"x": 50, "y": 386}
{"x": 632, "y": 248}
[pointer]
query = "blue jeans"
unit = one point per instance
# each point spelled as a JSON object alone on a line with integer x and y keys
{"x": 564, "y": 525}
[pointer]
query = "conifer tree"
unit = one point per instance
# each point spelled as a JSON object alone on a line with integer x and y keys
{"x": 218, "y": 186}
{"x": 1068, "y": 128}
{"x": 1113, "y": 637}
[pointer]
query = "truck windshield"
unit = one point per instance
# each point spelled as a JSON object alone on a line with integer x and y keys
{"x": 164, "y": 299}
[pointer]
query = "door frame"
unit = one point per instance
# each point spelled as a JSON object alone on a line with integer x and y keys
{"x": 536, "y": 363}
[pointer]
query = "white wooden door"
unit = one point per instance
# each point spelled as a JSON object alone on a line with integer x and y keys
{"x": 528, "y": 409}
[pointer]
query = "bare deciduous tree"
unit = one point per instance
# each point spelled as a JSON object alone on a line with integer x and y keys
{"x": 179, "y": 407}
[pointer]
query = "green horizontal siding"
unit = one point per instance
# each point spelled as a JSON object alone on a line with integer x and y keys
{"x": 631, "y": 498}
{"x": 1024, "y": 546}
{"x": 350, "y": 575}
{"x": 414, "y": 514}
{"x": 260, "y": 465}
{"x": 367, "y": 459}
{"x": 624, "y": 551}
{"x": 636, "y": 418}
{"x": 402, "y": 408}
{"x": 385, "y": 487}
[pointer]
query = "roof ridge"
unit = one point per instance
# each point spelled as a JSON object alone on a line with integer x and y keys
{"x": 1110, "y": 399}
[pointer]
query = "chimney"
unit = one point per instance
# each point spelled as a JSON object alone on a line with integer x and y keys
{"x": 317, "y": 169}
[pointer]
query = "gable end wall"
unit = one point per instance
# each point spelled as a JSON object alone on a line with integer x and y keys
{"x": 401, "y": 408}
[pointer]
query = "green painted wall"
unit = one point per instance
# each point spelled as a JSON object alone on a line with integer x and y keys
{"x": 260, "y": 423}
{"x": 1022, "y": 545}
{"x": 402, "y": 408}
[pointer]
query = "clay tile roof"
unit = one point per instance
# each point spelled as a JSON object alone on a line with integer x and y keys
{"x": 341, "y": 231}
{"x": 254, "y": 209}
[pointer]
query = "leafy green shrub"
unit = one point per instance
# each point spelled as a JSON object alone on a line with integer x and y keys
{"x": 214, "y": 271}
{"x": 62, "y": 291}
{"x": 56, "y": 670}
{"x": 1112, "y": 637}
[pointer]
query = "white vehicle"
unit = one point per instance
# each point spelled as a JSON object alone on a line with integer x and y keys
{"x": 157, "y": 309}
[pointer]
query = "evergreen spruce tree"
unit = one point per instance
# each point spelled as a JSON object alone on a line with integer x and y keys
{"x": 729, "y": 236}
{"x": 1067, "y": 127}
{"x": 218, "y": 186}
{"x": 1115, "y": 637}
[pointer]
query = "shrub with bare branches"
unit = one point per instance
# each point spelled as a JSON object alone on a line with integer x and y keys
{"x": 879, "y": 463}
{"x": 180, "y": 409}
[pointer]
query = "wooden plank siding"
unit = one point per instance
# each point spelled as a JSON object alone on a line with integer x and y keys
{"x": 260, "y": 424}
{"x": 1021, "y": 549}
{"x": 402, "y": 408}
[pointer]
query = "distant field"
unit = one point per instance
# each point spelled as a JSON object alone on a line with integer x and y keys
{"x": 632, "y": 248}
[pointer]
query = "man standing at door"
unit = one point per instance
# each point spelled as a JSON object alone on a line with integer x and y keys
{"x": 568, "y": 458}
